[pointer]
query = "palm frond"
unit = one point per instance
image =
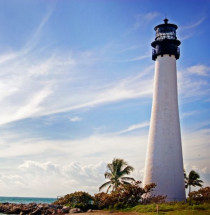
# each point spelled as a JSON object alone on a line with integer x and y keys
{"x": 193, "y": 175}
{"x": 127, "y": 170}
{"x": 193, "y": 179}
{"x": 128, "y": 178}
{"x": 197, "y": 183}
{"x": 108, "y": 188}
{"x": 125, "y": 182}
{"x": 115, "y": 172}
{"x": 110, "y": 167}
{"x": 104, "y": 185}
{"x": 108, "y": 175}
{"x": 119, "y": 164}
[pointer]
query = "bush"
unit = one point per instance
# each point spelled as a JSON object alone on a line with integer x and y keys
{"x": 154, "y": 199}
{"x": 81, "y": 200}
{"x": 126, "y": 195}
{"x": 102, "y": 200}
{"x": 118, "y": 205}
{"x": 198, "y": 207}
{"x": 200, "y": 196}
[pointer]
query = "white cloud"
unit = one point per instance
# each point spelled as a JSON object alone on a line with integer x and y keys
{"x": 187, "y": 114}
{"x": 29, "y": 45}
{"x": 58, "y": 164}
{"x": 134, "y": 127}
{"x": 46, "y": 89}
{"x": 189, "y": 30}
{"x": 75, "y": 119}
{"x": 143, "y": 19}
{"x": 193, "y": 25}
{"x": 195, "y": 146}
{"x": 72, "y": 164}
{"x": 191, "y": 87}
{"x": 33, "y": 90}
{"x": 39, "y": 83}
{"x": 34, "y": 166}
{"x": 202, "y": 170}
{"x": 138, "y": 58}
{"x": 201, "y": 70}
{"x": 49, "y": 179}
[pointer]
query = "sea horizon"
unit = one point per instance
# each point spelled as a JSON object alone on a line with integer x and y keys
{"x": 26, "y": 200}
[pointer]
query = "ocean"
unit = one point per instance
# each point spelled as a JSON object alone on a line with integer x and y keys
{"x": 26, "y": 200}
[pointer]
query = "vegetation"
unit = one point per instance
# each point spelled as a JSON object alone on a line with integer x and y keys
{"x": 124, "y": 196}
{"x": 197, "y": 203}
{"x": 173, "y": 208}
{"x": 200, "y": 196}
{"x": 116, "y": 173}
{"x": 193, "y": 179}
{"x": 80, "y": 200}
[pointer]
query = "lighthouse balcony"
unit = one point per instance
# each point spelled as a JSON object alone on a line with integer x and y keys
{"x": 165, "y": 50}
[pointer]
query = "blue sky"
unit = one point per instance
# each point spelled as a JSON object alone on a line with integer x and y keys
{"x": 76, "y": 83}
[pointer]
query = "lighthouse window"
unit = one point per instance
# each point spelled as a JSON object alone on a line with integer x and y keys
{"x": 165, "y": 35}
{"x": 166, "y": 32}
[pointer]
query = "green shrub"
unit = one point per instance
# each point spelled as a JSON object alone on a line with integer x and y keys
{"x": 198, "y": 207}
{"x": 126, "y": 195}
{"x": 84, "y": 207}
{"x": 118, "y": 205}
{"x": 174, "y": 208}
{"x": 81, "y": 200}
{"x": 200, "y": 196}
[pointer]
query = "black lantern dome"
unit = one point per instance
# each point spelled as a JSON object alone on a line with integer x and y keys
{"x": 165, "y": 41}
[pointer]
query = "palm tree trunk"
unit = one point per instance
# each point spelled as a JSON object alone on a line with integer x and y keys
{"x": 189, "y": 190}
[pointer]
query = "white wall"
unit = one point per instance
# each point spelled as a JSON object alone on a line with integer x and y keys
{"x": 164, "y": 162}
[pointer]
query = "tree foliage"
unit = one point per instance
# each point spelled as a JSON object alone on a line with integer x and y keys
{"x": 125, "y": 195}
{"x": 77, "y": 199}
{"x": 193, "y": 179}
{"x": 116, "y": 173}
{"x": 200, "y": 196}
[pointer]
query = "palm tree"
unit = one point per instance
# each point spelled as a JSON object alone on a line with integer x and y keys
{"x": 116, "y": 172}
{"x": 192, "y": 180}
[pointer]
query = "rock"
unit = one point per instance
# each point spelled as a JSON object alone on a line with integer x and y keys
{"x": 6, "y": 208}
{"x": 50, "y": 211}
{"x": 32, "y": 204}
{"x": 59, "y": 211}
{"x": 65, "y": 209}
{"x": 40, "y": 206}
{"x": 75, "y": 210}
{"x": 14, "y": 210}
{"x": 25, "y": 209}
{"x": 22, "y": 213}
{"x": 53, "y": 206}
{"x": 90, "y": 210}
{"x": 1, "y": 208}
{"x": 43, "y": 206}
{"x": 36, "y": 212}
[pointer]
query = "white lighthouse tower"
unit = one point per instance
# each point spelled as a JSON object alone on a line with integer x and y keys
{"x": 164, "y": 162}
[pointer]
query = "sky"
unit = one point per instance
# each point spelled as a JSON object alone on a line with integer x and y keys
{"x": 76, "y": 84}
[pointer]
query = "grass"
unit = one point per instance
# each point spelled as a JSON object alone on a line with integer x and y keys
{"x": 177, "y": 208}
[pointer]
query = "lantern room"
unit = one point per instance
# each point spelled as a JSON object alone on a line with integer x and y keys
{"x": 165, "y": 41}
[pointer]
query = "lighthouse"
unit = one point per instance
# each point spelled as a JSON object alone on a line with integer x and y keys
{"x": 164, "y": 161}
